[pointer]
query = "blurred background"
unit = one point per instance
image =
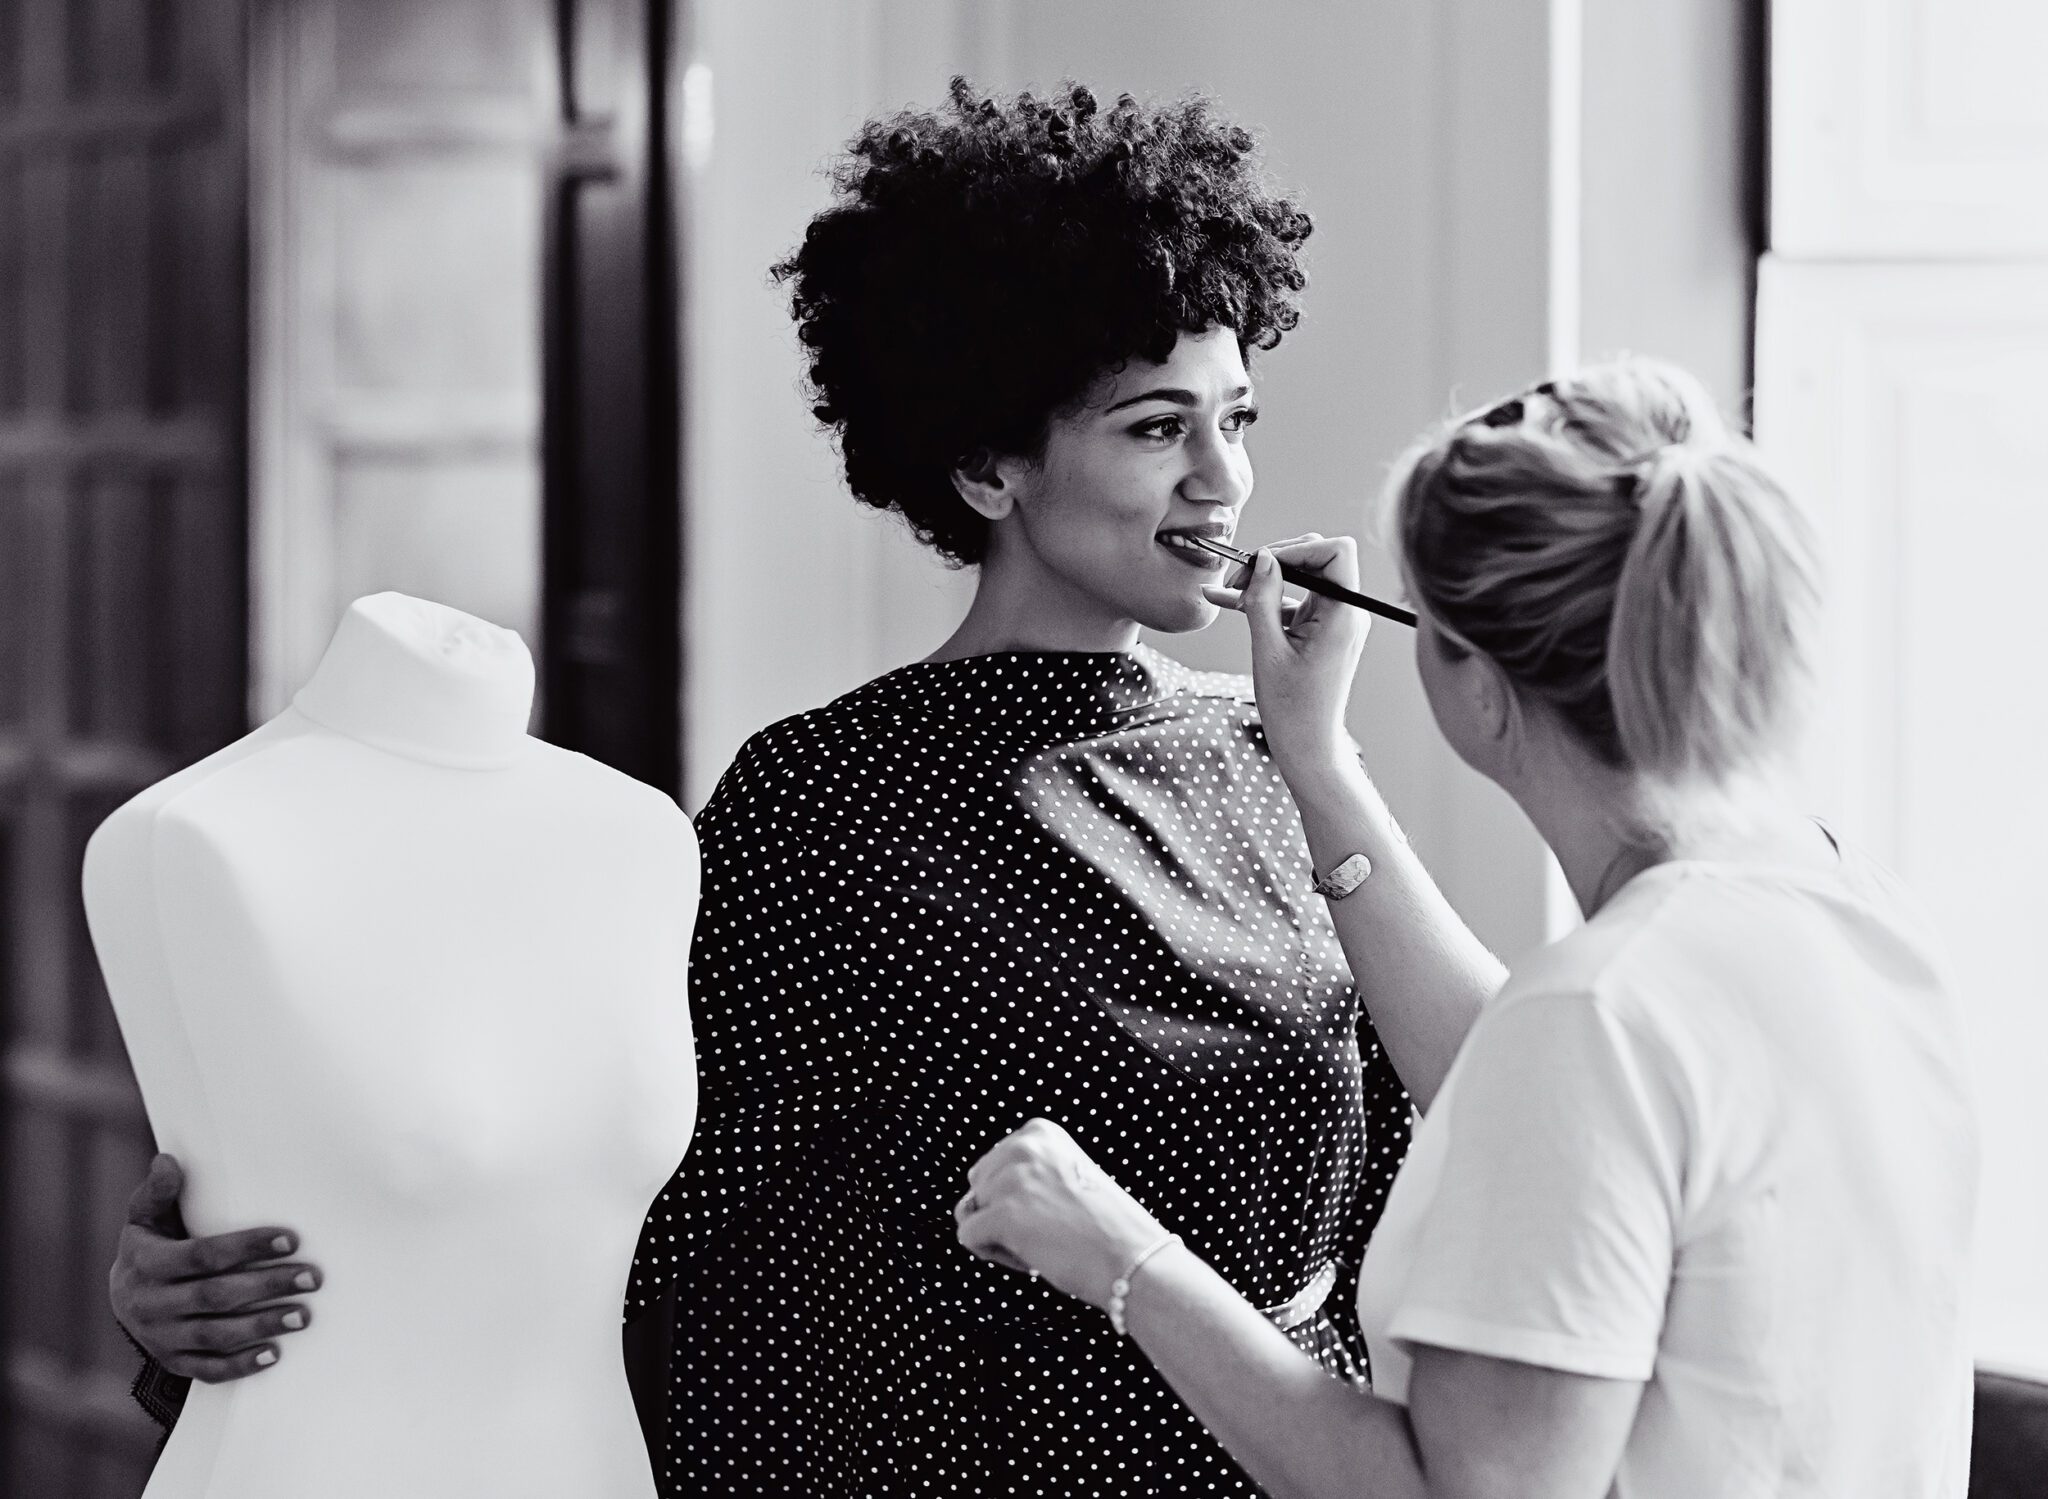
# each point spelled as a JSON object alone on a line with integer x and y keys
{"x": 304, "y": 299}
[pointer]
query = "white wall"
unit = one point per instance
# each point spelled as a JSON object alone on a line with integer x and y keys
{"x": 796, "y": 593}
{"x": 1436, "y": 147}
{"x": 1670, "y": 185}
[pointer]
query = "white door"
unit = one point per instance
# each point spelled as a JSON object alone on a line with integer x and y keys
{"x": 396, "y": 217}
{"x": 1902, "y": 386}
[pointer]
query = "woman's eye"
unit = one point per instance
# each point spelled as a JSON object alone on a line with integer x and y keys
{"x": 1169, "y": 427}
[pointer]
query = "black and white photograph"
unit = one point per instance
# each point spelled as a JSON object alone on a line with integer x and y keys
{"x": 1076, "y": 749}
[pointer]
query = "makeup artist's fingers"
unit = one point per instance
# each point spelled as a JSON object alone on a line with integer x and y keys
{"x": 980, "y": 1235}
{"x": 1233, "y": 599}
{"x": 1332, "y": 557}
{"x": 1261, "y": 599}
{"x": 1302, "y": 672}
{"x": 973, "y": 1218}
{"x": 1290, "y": 549}
{"x": 1321, "y": 628}
{"x": 1295, "y": 613}
{"x": 1335, "y": 558}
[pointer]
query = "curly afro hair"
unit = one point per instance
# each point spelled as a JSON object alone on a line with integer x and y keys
{"x": 983, "y": 264}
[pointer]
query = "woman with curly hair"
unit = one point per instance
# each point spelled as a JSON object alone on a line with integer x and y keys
{"x": 1045, "y": 870}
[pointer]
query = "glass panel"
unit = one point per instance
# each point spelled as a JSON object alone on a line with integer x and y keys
{"x": 404, "y": 45}
{"x": 38, "y": 1182}
{"x": 438, "y": 270}
{"x": 120, "y": 668}
{"x": 20, "y": 628}
{"x": 95, "y": 1037}
{"x": 10, "y": 58}
{"x": 13, "y": 331}
{"x": 116, "y": 37}
{"x": 120, "y": 1156}
{"x": 118, "y": 1474}
{"x": 462, "y": 532}
{"x": 42, "y": 1460}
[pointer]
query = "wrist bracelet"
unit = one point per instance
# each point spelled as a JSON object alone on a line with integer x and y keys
{"x": 1120, "y": 1288}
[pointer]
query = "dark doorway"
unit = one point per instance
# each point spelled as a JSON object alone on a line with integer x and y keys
{"x": 123, "y": 643}
{"x": 611, "y": 566}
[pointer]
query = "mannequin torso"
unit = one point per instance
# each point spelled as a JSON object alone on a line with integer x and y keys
{"x": 396, "y": 974}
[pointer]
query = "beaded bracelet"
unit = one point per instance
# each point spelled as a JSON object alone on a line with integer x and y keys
{"x": 1120, "y": 1288}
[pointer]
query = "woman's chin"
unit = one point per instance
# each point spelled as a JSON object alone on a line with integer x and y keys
{"x": 1180, "y": 616}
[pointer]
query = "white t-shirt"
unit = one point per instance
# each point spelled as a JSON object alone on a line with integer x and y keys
{"x": 1719, "y": 1140}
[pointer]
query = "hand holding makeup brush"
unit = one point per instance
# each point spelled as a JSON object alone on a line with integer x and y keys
{"x": 1304, "y": 655}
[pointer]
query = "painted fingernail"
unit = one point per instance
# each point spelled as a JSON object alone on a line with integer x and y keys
{"x": 266, "y": 1358}
{"x": 294, "y": 1320}
{"x": 282, "y": 1243}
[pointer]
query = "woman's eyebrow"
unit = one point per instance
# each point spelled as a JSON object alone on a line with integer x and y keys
{"x": 1176, "y": 395}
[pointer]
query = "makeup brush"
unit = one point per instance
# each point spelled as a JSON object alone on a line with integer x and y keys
{"x": 1302, "y": 578}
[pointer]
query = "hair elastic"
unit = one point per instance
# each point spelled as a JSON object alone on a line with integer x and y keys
{"x": 1628, "y": 483}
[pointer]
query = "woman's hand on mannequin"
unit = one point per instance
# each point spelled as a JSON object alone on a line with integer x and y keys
{"x": 208, "y": 1309}
{"x": 1303, "y": 655}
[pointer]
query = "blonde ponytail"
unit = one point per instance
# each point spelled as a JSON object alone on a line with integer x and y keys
{"x": 1626, "y": 560}
{"x": 1708, "y": 651}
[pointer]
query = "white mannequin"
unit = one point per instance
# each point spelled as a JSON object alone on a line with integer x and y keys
{"x": 400, "y": 976}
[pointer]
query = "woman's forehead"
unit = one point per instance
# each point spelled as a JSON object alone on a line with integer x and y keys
{"x": 1205, "y": 364}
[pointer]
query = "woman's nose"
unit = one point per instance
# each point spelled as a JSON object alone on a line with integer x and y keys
{"x": 1221, "y": 473}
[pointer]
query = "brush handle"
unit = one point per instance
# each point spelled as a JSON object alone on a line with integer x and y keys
{"x": 1315, "y": 583}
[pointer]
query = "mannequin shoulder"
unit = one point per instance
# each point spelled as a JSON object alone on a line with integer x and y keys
{"x": 120, "y": 847}
{"x": 602, "y": 789}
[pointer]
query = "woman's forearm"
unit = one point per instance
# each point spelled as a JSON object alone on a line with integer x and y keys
{"x": 1297, "y": 1431}
{"x": 1422, "y": 972}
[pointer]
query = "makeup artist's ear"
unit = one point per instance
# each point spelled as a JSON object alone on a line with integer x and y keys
{"x": 987, "y": 482}
{"x": 1496, "y": 709}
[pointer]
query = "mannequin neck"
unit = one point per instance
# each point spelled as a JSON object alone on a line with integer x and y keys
{"x": 423, "y": 681}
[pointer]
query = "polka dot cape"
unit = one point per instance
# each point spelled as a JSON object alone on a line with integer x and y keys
{"x": 970, "y": 892}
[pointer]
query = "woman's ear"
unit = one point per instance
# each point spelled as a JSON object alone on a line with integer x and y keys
{"x": 1497, "y": 711}
{"x": 985, "y": 482}
{"x": 1503, "y": 718}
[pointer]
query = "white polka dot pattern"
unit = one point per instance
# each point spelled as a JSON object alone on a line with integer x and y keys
{"x": 1068, "y": 884}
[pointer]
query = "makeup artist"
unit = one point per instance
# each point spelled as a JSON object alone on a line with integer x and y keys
{"x": 1046, "y": 870}
{"x": 1689, "y": 1216}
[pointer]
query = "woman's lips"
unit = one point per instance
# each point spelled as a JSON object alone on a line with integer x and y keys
{"x": 1185, "y": 550}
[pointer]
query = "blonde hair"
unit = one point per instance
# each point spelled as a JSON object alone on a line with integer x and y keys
{"x": 1627, "y": 560}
